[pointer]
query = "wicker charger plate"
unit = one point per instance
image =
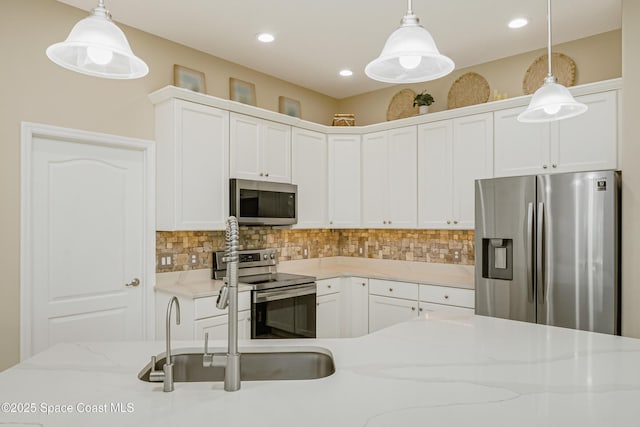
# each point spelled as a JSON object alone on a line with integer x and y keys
{"x": 562, "y": 66}
{"x": 468, "y": 89}
{"x": 401, "y": 105}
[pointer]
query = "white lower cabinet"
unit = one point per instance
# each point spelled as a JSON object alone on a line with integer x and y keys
{"x": 200, "y": 315}
{"x": 355, "y": 306}
{"x": 328, "y": 308}
{"x": 391, "y": 302}
{"x": 440, "y": 298}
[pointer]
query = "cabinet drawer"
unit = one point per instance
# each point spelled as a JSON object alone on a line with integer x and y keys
{"x": 327, "y": 286}
{"x": 206, "y": 307}
{"x": 450, "y": 296}
{"x": 393, "y": 289}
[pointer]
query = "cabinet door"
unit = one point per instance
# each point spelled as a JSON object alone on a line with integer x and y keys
{"x": 245, "y": 147}
{"x": 192, "y": 145}
{"x": 428, "y": 307}
{"x": 588, "y": 141}
{"x": 472, "y": 159}
{"x": 218, "y": 326}
{"x": 344, "y": 181}
{"x": 435, "y": 183}
{"x": 309, "y": 152}
{"x": 374, "y": 180}
{"x": 385, "y": 311}
{"x": 519, "y": 148}
{"x": 328, "y": 316}
{"x": 403, "y": 178}
{"x": 356, "y": 307}
{"x": 276, "y": 152}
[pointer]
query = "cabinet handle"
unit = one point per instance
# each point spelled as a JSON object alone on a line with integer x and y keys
{"x": 384, "y": 222}
{"x": 413, "y": 309}
{"x": 554, "y": 166}
{"x": 330, "y": 222}
{"x": 446, "y": 297}
{"x": 455, "y": 222}
{"x": 329, "y": 286}
{"x": 261, "y": 174}
{"x": 544, "y": 166}
{"x": 318, "y": 304}
{"x": 448, "y": 222}
{"x": 390, "y": 289}
{"x": 389, "y": 222}
{"x": 420, "y": 309}
{"x": 364, "y": 284}
{"x": 266, "y": 174}
{"x": 135, "y": 282}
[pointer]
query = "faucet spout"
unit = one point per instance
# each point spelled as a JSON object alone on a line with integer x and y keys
{"x": 168, "y": 366}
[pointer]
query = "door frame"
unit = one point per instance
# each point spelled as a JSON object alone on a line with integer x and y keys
{"x": 29, "y": 131}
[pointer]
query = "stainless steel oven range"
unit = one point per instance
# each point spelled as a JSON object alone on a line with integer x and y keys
{"x": 282, "y": 305}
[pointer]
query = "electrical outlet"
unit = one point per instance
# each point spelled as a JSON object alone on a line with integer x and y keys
{"x": 165, "y": 260}
{"x": 193, "y": 258}
{"x": 360, "y": 250}
{"x": 305, "y": 253}
{"x": 456, "y": 255}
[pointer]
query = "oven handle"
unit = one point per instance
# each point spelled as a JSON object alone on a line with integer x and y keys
{"x": 283, "y": 293}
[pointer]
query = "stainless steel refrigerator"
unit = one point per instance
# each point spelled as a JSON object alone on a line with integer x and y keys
{"x": 547, "y": 249}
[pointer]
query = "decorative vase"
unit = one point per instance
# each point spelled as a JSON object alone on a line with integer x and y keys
{"x": 423, "y": 109}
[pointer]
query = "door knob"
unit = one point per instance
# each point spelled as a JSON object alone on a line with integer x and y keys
{"x": 135, "y": 282}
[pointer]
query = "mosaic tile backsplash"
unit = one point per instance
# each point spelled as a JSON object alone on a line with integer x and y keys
{"x": 191, "y": 250}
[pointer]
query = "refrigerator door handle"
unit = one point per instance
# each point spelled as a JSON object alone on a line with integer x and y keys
{"x": 540, "y": 255}
{"x": 530, "y": 283}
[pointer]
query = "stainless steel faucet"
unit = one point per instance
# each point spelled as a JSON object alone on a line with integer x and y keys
{"x": 229, "y": 297}
{"x": 166, "y": 375}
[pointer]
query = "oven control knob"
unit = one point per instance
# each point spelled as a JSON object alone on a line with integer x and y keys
{"x": 273, "y": 256}
{"x": 265, "y": 256}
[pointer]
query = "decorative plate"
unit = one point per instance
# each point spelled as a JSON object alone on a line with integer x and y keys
{"x": 468, "y": 89}
{"x": 562, "y": 66}
{"x": 401, "y": 105}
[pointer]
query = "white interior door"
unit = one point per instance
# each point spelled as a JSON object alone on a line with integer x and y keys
{"x": 85, "y": 239}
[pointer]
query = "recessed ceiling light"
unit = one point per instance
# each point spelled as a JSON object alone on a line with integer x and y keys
{"x": 518, "y": 23}
{"x": 266, "y": 37}
{"x": 346, "y": 73}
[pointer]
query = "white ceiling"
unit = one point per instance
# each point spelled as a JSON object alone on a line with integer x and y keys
{"x": 317, "y": 38}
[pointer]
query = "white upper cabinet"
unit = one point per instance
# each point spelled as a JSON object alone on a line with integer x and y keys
{"x": 452, "y": 154}
{"x": 585, "y": 142}
{"x": 259, "y": 149}
{"x": 389, "y": 179}
{"x": 309, "y": 157}
{"x": 192, "y": 178}
{"x": 344, "y": 181}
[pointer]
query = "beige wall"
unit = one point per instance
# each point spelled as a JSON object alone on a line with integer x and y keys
{"x": 34, "y": 89}
{"x": 631, "y": 172}
{"x": 597, "y": 58}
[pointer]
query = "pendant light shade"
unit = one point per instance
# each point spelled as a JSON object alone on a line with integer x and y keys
{"x": 409, "y": 56}
{"x": 97, "y": 47}
{"x": 551, "y": 101}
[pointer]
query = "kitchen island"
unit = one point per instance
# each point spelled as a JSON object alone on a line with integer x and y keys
{"x": 446, "y": 370}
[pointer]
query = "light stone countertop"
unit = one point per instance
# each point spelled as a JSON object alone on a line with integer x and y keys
{"x": 198, "y": 283}
{"x": 444, "y": 371}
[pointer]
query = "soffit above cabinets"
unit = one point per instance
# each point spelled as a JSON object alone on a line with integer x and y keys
{"x": 316, "y": 39}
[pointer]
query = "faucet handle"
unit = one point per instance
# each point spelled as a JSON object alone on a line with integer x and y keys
{"x": 155, "y": 375}
{"x": 223, "y": 297}
{"x": 207, "y": 359}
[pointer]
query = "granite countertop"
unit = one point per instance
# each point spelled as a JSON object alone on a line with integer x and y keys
{"x": 198, "y": 283}
{"x": 442, "y": 371}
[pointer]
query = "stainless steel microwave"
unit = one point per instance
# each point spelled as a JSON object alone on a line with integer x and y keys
{"x": 263, "y": 203}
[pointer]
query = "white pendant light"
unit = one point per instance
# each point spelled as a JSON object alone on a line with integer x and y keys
{"x": 409, "y": 56}
{"x": 551, "y": 101}
{"x": 97, "y": 47}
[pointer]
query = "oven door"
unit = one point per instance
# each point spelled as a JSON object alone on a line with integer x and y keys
{"x": 287, "y": 312}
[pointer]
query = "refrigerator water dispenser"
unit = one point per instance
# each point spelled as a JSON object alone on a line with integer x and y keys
{"x": 497, "y": 259}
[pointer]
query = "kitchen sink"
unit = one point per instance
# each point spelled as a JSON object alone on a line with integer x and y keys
{"x": 256, "y": 364}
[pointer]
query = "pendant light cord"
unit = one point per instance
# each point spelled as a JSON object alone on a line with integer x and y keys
{"x": 549, "y": 74}
{"x": 409, "y": 11}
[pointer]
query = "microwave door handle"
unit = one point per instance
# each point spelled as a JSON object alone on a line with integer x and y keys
{"x": 280, "y": 294}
